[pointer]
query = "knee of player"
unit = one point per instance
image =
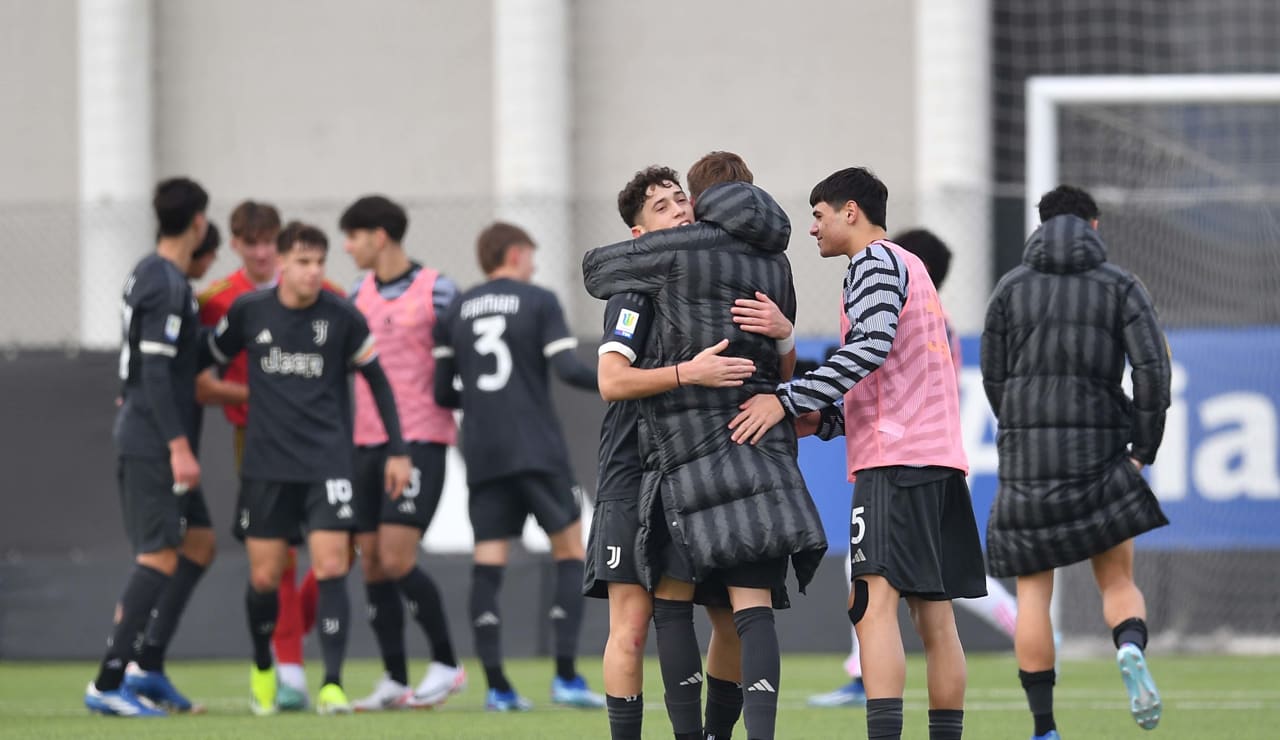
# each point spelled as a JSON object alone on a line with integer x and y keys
{"x": 200, "y": 546}
{"x": 394, "y": 565}
{"x": 264, "y": 579}
{"x": 165, "y": 561}
{"x": 628, "y": 637}
{"x": 329, "y": 566}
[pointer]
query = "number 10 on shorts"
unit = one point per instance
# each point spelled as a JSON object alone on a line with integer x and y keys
{"x": 857, "y": 525}
{"x": 338, "y": 490}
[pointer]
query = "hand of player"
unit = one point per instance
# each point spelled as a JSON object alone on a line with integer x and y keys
{"x": 807, "y": 424}
{"x": 709, "y": 369}
{"x": 761, "y": 316}
{"x": 1136, "y": 464}
{"x": 183, "y": 464}
{"x": 759, "y": 414}
{"x": 399, "y": 471}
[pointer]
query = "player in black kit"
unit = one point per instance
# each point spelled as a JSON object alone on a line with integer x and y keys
{"x": 153, "y": 431}
{"x": 499, "y": 338}
{"x": 302, "y": 343}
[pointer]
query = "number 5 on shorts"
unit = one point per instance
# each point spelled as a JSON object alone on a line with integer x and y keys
{"x": 857, "y": 521}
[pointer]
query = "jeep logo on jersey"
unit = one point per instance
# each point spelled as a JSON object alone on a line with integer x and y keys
{"x": 321, "y": 328}
{"x": 293, "y": 363}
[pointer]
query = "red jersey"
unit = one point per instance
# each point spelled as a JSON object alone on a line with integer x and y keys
{"x": 215, "y": 301}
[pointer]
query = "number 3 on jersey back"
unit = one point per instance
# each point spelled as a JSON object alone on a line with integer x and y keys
{"x": 489, "y": 331}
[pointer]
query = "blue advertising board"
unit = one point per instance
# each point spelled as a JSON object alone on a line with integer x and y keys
{"x": 1217, "y": 474}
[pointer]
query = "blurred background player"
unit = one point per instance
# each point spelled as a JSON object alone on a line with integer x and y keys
{"x": 254, "y": 229}
{"x": 401, "y": 300}
{"x": 146, "y": 676}
{"x": 501, "y": 339}
{"x": 303, "y": 342}
{"x": 998, "y": 608}
{"x": 155, "y": 424}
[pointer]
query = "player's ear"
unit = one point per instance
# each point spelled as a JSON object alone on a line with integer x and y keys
{"x": 851, "y": 212}
{"x": 637, "y": 231}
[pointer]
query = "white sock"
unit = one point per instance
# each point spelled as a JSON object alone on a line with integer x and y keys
{"x": 998, "y": 608}
{"x": 292, "y": 675}
{"x": 852, "y": 664}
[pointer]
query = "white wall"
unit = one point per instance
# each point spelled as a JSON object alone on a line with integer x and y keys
{"x": 312, "y": 104}
{"x": 39, "y": 171}
{"x": 799, "y": 89}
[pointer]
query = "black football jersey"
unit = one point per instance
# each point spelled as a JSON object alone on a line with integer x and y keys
{"x": 299, "y": 426}
{"x": 160, "y": 321}
{"x": 627, "y": 317}
{"x": 502, "y": 334}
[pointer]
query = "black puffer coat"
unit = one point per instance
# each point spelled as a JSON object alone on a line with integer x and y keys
{"x": 1058, "y": 330}
{"x": 724, "y": 504}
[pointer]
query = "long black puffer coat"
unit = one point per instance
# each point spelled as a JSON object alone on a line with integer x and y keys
{"x": 1058, "y": 330}
{"x": 725, "y": 504}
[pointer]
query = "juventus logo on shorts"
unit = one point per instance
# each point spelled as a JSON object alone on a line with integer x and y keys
{"x": 321, "y": 328}
{"x": 615, "y": 556}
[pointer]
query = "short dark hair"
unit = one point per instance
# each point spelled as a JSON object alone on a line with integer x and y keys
{"x": 715, "y": 168}
{"x": 296, "y": 231}
{"x": 632, "y": 196}
{"x": 931, "y": 250}
{"x": 375, "y": 212}
{"x": 211, "y": 241}
{"x": 1067, "y": 200}
{"x": 495, "y": 241}
{"x": 177, "y": 202}
{"x": 857, "y": 184}
{"x": 253, "y": 221}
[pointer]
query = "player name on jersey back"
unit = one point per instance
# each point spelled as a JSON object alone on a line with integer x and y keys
{"x": 484, "y": 305}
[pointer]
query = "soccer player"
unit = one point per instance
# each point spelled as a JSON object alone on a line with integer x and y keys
{"x": 1072, "y": 445}
{"x": 254, "y": 228}
{"x": 912, "y": 529}
{"x": 998, "y": 608}
{"x": 402, "y": 301}
{"x": 712, "y": 494}
{"x": 302, "y": 343}
{"x": 146, "y": 676}
{"x": 157, "y": 467}
{"x": 653, "y": 200}
{"x": 500, "y": 339}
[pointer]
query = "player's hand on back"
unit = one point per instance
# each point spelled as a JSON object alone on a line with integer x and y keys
{"x": 398, "y": 472}
{"x": 761, "y": 316}
{"x": 185, "y": 468}
{"x": 760, "y": 413}
{"x": 807, "y": 424}
{"x": 709, "y": 368}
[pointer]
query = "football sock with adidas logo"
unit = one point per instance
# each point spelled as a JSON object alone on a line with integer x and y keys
{"x": 428, "y": 610}
{"x": 724, "y": 707}
{"x": 386, "y": 618}
{"x": 263, "y": 609}
{"x": 333, "y": 613}
{"x": 626, "y": 716}
{"x": 486, "y": 623}
{"x": 761, "y": 670}
{"x": 681, "y": 664}
{"x": 143, "y": 590}
{"x": 164, "y": 619}
{"x": 566, "y": 616}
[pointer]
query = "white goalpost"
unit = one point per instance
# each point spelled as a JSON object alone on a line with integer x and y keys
{"x": 1046, "y": 96}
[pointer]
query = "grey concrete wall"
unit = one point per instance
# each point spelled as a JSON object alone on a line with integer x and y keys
{"x": 39, "y": 170}
{"x": 799, "y": 89}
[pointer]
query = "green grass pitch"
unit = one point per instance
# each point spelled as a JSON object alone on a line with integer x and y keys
{"x": 1205, "y": 697}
